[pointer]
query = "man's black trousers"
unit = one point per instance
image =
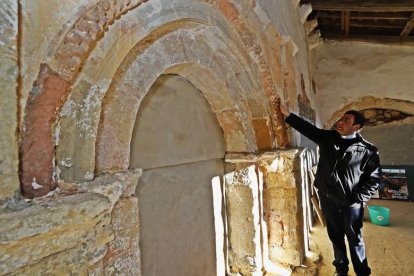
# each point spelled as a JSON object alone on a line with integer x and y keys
{"x": 341, "y": 221}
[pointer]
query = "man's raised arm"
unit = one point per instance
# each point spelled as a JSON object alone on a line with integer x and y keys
{"x": 309, "y": 130}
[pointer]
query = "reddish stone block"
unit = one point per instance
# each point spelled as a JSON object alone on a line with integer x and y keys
{"x": 229, "y": 10}
{"x": 263, "y": 134}
{"x": 37, "y": 149}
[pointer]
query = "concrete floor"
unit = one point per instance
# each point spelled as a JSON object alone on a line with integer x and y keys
{"x": 390, "y": 249}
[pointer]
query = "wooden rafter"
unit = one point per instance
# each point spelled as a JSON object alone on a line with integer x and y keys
{"x": 363, "y": 16}
{"x": 347, "y": 21}
{"x": 310, "y": 25}
{"x": 408, "y": 26}
{"x": 345, "y": 16}
{"x": 388, "y": 40}
{"x": 362, "y": 24}
{"x": 372, "y": 21}
{"x": 362, "y": 6}
{"x": 343, "y": 21}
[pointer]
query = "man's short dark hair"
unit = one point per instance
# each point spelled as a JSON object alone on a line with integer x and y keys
{"x": 359, "y": 118}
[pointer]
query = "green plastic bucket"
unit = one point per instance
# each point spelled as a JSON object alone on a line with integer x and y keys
{"x": 379, "y": 215}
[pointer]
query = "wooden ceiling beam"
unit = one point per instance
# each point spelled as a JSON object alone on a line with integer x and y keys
{"x": 408, "y": 26}
{"x": 343, "y": 21}
{"x": 310, "y": 25}
{"x": 362, "y": 6}
{"x": 364, "y": 17}
{"x": 387, "y": 40}
{"x": 361, "y": 24}
{"x": 347, "y": 16}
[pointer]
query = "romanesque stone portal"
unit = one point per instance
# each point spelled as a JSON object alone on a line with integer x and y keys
{"x": 95, "y": 171}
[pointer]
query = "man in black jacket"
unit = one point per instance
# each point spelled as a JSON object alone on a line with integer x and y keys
{"x": 348, "y": 175}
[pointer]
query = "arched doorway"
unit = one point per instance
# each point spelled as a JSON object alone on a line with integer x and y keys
{"x": 179, "y": 144}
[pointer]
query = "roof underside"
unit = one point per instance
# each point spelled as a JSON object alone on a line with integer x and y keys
{"x": 388, "y": 22}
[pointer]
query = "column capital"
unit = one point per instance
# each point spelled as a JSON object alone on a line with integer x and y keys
{"x": 253, "y": 157}
{"x": 243, "y": 157}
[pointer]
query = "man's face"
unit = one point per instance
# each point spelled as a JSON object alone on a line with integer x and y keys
{"x": 345, "y": 126}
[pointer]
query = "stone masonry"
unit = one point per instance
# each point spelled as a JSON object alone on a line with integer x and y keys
{"x": 73, "y": 78}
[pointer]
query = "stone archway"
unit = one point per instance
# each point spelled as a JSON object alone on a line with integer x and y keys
{"x": 82, "y": 109}
{"x": 213, "y": 68}
{"x": 372, "y": 102}
{"x": 385, "y": 133}
{"x": 204, "y": 65}
{"x": 78, "y": 88}
{"x": 180, "y": 148}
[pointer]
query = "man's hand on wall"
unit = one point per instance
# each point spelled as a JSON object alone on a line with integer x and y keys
{"x": 285, "y": 111}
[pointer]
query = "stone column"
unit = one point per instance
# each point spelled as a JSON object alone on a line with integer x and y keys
{"x": 243, "y": 215}
{"x": 282, "y": 210}
{"x": 123, "y": 256}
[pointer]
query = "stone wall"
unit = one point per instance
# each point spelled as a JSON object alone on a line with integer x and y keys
{"x": 379, "y": 116}
{"x": 87, "y": 228}
{"x": 93, "y": 227}
{"x": 74, "y": 75}
{"x": 243, "y": 216}
{"x": 265, "y": 213}
{"x": 179, "y": 144}
{"x": 359, "y": 70}
{"x": 388, "y": 121}
{"x": 9, "y": 108}
{"x": 283, "y": 208}
{"x": 222, "y": 41}
{"x": 394, "y": 141}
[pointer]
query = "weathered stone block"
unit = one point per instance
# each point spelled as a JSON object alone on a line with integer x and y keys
{"x": 96, "y": 269}
{"x": 240, "y": 218}
{"x": 112, "y": 148}
{"x": 129, "y": 264}
{"x": 75, "y": 150}
{"x": 243, "y": 218}
{"x": 288, "y": 256}
{"x": 98, "y": 239}
{"x": 284, "y": 229}
{"x": 276, "y": 192}
{"x": 305, "y": 271}
{"x": 30, "y": 233}
{"x": 9, "y": 180}
{"x": 243, "y": 175}
{"x": 37, "y": 146}
{"x": 113, "y": 186}
{"x": 272, "y": 49}
{"x": 230, "y": 120}
{"x": 125, "y": 223}
{"x": 275, "y": 232}
{"x": 292, "y": 239}
{"x": 280, "y": 180}
{"x": 263, "y": 134}
{"x": 282, "y": 207}
{"x": 69, "y": 262}
{"x": 287, "y": 204}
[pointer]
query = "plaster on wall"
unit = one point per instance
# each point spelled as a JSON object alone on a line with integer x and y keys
{"x": 175, "y": 125}
{"x": 176, "y": 216}
{"x": 44, "y": 24}
{"x": 395, "y": 143}
{"x": 175, "y": 133}
{"x": 346, "y": 72}
{"x": 9, "y": 181}
{"x": 285, "y": 16}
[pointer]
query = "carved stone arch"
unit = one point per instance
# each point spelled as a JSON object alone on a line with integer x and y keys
{"x": 228, "y": 102}
{"x": 368, "y": 102}
{"x": 81, "y": 38}
{"x": 238, "y": 77}
{"x": 50, "y": 90}
{"x": 62, "y": 77}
